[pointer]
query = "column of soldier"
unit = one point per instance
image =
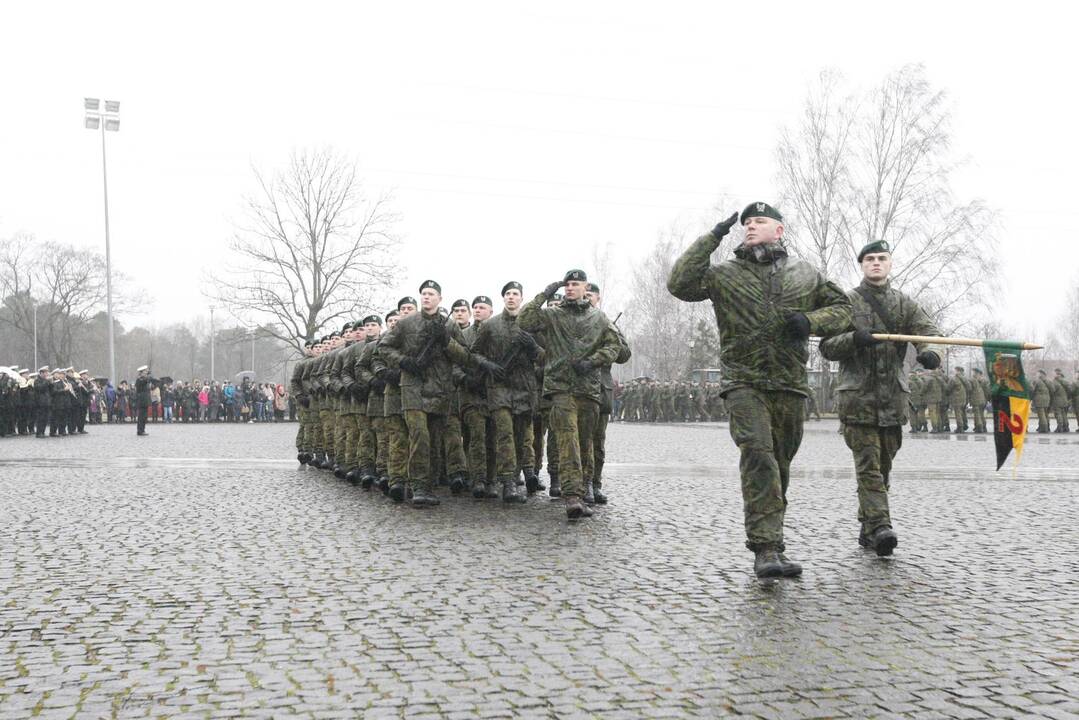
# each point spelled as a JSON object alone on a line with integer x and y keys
{"x": 933, "y": 395}
{"x": 466, "y": 398}
{"x": 650, "y": 400}
{"x": 48, "y": 404}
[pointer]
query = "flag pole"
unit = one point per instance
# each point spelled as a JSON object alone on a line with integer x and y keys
{"x": 972, "y": 342}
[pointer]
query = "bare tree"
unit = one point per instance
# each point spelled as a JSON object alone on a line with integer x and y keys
{"x": 878, "y": 168}
{"x": 66, "y": 286}
{"x": 313, "y": 251}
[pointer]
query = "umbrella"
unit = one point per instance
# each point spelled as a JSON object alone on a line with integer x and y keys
{"x": 245, "y": 374}
{"x": 166, "y": 380}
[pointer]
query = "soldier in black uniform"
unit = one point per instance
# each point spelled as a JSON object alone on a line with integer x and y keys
{"x": 59, "y": 405}
{"x": 142, "y": 396}
{"x": 24, "y": 405}
{"x": 42, "y": 400}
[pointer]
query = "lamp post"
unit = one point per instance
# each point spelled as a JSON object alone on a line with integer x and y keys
{"x": 212, "y": 375}
{"x": 107, "y": 119}
{"x": 36, "y": 366}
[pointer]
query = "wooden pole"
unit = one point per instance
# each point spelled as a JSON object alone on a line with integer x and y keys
{"x": 973, "y": 342}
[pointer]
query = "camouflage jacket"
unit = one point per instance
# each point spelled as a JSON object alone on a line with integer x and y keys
{"x": 572, "y": 331}
{"x": 412, "y": 337}
{"x": 365, "y": 374}
{"x": 979, "y": 391}
{"x": 1058, "y": 392}
{"x": 606, "y": 380}
{"x": 295, "y": 386}
{"x": 354, "y": 387}
{"x": 497, "y": 339}
{"x": 1041, "y": 393}
{"x": 958, "y": 390}
{"x": 751, "y": 300}
{"x": 917, "y": 390}
{"x": 873, "y": 388}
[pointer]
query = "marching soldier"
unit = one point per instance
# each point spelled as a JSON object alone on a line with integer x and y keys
{"x": 1059, "y": 400}
{"x": 580, "y": 339}
{"x": 423, "y": 347}
{"x": 303, "y": 402}
{"x": 767, "y": 304}
{"x": 42, "y": 400}
{"x": 511, "y": 394}
{"x": 594, "y": 485}
{"x": 872, "y": 391}
{"x": 1041, "y": 399}
{"x": 979, "y": 396}
{"x": 958, "y": 397}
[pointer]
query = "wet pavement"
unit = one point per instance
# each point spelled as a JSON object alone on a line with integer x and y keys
{"x": 198, "y": 573}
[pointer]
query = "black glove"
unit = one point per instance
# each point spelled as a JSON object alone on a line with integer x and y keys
{"x": 410, "y": 366}
{"x": 378, "y": 383}
{"x": 583, "y": 367}
{"x": 392, "y": 377}
{"x": 796, "y": 326}
{"x": 528, "y": 344}
{"x": 724, "y": 227}
{"x": 929, "y": 360}
{"x": 475, "y": 383}
{"x": 493, "y": 369}
{"x": 864, "y": 339}
{"x": 554, "y": 287}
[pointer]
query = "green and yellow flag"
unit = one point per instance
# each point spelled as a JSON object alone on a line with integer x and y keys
{"x": 1010, "y": 393}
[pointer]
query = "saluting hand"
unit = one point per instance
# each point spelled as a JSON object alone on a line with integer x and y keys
{"x": 724, "y": 227}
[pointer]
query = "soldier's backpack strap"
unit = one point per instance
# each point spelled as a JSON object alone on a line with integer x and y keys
{"x": 884, "y": 315}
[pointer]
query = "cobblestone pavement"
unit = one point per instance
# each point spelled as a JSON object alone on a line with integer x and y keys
{"x": 198, "y": 573}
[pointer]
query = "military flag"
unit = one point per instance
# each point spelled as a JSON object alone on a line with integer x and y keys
{"x": 1010, "y": 394}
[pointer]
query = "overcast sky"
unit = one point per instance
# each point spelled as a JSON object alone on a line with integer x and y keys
{"x": 515, "y": 139}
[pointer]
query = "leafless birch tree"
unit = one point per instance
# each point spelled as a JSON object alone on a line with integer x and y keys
{"x": 313, "y": 250}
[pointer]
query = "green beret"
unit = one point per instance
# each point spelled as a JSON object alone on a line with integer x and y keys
{"x": 372, "y": 319}
{"x": 512, "y": 285}
{"x": 592, "y": 287}
{"x": 874, "y": 247}
{"x": 579, "y": 275}
{"x": 759, "y": 209}
{"x": 407, "y": 300}
{"x": 459, "y": 302}
{"x": 481, "y": 299}
{"x": 432, "y": 285}
{"x": 391, "y": 314}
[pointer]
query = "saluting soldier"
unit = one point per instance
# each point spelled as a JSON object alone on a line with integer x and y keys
{"x": 143, "y": 383}
{"x": 579, "y": 340}
{"x": 958, "y": 397}
{"x": 394, "y": 420}
{"x": 872, "y": 395}
{"x": 766, "y": 305}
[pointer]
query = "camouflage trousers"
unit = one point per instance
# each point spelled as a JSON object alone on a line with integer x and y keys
{"x": 573, "y": 420}
{"x": 874, "y": 449}
{"x": 424, "y": 431}
{"x": 348, "y": 432}
{"x": 767, "y": 428}
{"x": 978, "y": 417}
{"x": 313, "y": 436}
{"x": 944, "y": 424}
{"x": 366, "y": 446}
{"x": 478, "y": 430}
{"x": 301, "y": 431}
{"x": 539, "y": 426}
{"x": 513, "y": 442}
{"x": 599, "y": 449}
{"x": 453, "y": 446}
{"x": 327, "y": 418}
{"x": 1061, "y": 415}
{"x": 918, "y": 421}
{"x": 396, "y": 448}
{"x": 960, "y": 412}
{"x": 1043, "y": 419}
{"x": 380, "y": 450}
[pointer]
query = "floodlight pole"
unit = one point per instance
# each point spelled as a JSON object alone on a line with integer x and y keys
{"x": 108, "y": 258}
{"x": 212, "y": 374}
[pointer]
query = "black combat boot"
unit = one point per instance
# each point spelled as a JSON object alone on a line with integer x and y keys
{"x": 790, "y": 568}
{"x": 575, "y": 508}
{"x": 425, "y": 498}
{"x": 339, "y": 472}
{"x": 884, "y": 540}
{"x": 556, "y": 486}
{"x": 397, "y": 492}
{"x": 601, "y": 499}
{"x": 457, "y": 483}
{"x": 509, "y": 491}
{"x": 367, "y": 478}
{"x": 490, "y": 490}
{"x": 384, "y": 484}
{"x": 353, "y": 476}
{"x": 767, "y": 563}
{"x": 589, "y": 494}
{"x": 479, "y": 490}
{"x": 327, "y": 463}
{"x": 302, "y": 458}
{"x": 532, "y": 483}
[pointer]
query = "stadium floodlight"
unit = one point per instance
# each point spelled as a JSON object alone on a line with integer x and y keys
{"x": 93, "y": 122}
{"x": 92, "y": 104}
{"x": 112, "y": 106}
{"x": 112, "y": 124}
